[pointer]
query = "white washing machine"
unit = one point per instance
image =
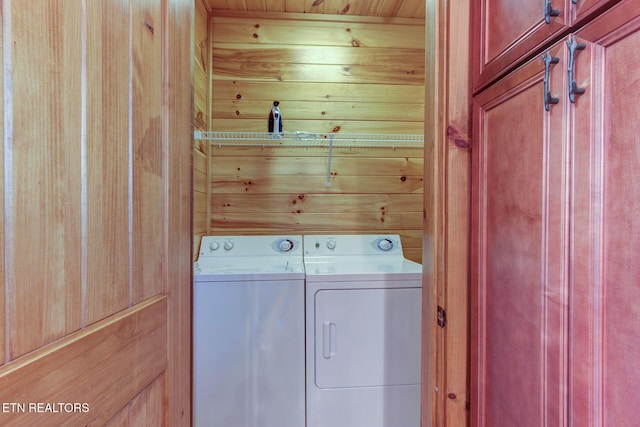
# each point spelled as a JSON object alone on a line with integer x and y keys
{"x": 248, "y": 355}
{"x": 363, "y": 311}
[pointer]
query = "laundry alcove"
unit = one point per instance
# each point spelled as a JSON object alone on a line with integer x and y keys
{"x": 333, "y": 74}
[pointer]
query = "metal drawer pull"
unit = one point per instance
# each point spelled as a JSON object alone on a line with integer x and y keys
{"x": 549, "y": 11}
{"x": 573, "y": 45}
{"x": 548, "y": 60}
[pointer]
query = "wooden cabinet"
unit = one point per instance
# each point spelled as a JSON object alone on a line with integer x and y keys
{"x": 604, "y": 274}
{"x": 506, "y": 33}
{"x": 556, "y": 230}
{"x": 520, "y": 239}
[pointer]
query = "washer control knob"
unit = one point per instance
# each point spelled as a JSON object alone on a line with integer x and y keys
{"x": 214, "y": 245}
{"x": 228, "y": 245}
{"x": 331, "y": 244}
{"x": 285, "y": 245}
{"x": 385, "y": 245}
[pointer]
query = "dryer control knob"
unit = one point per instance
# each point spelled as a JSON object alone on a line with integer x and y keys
{"x": 385, "y": 245}
{"x": 214, "y": 245}
{"x": 331, "y": 244}
{"x": 285, "y": 245}
{"x": 228, "y": 245}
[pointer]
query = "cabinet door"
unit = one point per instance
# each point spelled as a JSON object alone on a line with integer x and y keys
{"x": 505, "y": 31}
{"x": 605, "y": 271}
{"x": 519, "y": 244}
{"x": 583, "y": 9}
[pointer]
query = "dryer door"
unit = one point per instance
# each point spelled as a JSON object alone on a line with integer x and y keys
{"x": 367, "y": 337}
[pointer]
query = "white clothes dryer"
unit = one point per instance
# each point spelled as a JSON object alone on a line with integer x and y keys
{"x": 248, "y": 332}
{"x": 363, "y": 323}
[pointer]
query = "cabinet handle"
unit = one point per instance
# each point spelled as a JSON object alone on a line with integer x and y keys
{"x": 549, "y": 11}
{"x": 573, "y": 45}
{"x": 548, "y": 60}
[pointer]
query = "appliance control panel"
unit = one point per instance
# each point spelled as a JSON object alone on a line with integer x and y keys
{"x": 345, "y": 245}
{"x": 226, "y": 246}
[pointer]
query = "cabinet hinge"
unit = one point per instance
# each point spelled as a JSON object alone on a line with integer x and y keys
{"x": 442, "y": 317}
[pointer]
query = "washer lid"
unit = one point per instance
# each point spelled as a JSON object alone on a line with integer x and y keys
{"x": 245, "y": 268}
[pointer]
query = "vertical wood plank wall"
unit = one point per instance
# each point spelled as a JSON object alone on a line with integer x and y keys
{"x": 200, "y": 120}
{"x": 95, "y": 210}
{"x": 331, "y": 73}
{"x": 3, "y": 275}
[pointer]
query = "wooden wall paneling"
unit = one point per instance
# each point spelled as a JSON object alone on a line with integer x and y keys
{"x": 210, "y": 122}
{"x": 319, "y": 126}
{"x": 309, "y": 110}
{"x": 326, "y": 222}
{"x": 147, "y": 149}
{"x": 375, "y": 8}
{"x": 313, "y": 203}
{"x": 325, "y": 81}
{"x": 290, "y": 193}
{"x": 199, "y": 202}
{"x": 201, "y": 119}
{"x": 291, "y": 30}
{"x": 260, "y": 184}
{"x": 246, "y": 162}
{"x": 201, "y": 65}
{"x": 317, "y": 165}
{"x": 199, "y": 172}
{"x": 335, "y": 74}
{"x": 200, "y": 222}
{"x": 200, "y": 197}
{"x": 44, "y": 187}
{"x": 273, "y": 5}
{"x": 323, "y": 73}
{"x": 200, "y": 88}
{"x": 199, "y": 161}
{"x": 347, "y": 206}
{"x": 322, "y": 54}
{"x": 243, "y": 90}
{"x": 103, "y": 366}
{"x": 108, "y": 272}
{"x": 3, "y": 278}
{"x": 412, "y": 9}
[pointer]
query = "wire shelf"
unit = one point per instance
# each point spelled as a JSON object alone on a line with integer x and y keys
{"x": 310, "y": 139}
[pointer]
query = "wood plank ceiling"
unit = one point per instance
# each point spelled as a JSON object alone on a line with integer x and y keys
{"x": 379, "y": 8}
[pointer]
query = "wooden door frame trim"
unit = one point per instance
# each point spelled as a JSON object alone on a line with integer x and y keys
{"x": 447, "y": 200}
